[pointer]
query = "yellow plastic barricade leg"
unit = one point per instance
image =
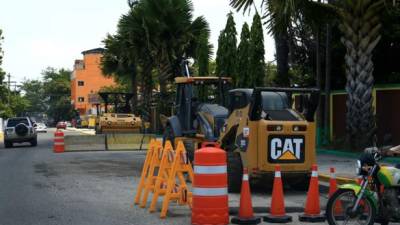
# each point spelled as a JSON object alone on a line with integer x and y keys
{"x": 178, "y": 192}
{"x": 160, "y": 186}
{"x": 154, "y": 166}
{"x": 145, "y": 170}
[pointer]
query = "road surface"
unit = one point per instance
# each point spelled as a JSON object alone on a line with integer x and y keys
{"x": 39, "y": 187}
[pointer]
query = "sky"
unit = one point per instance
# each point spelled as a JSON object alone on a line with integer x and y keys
{"x": 53, "y": 33}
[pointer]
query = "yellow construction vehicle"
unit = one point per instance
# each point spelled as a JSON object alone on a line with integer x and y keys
{"x": 200, "y": 110}
{"x": 121, "y": 120}
{"x": 264, "y": 129}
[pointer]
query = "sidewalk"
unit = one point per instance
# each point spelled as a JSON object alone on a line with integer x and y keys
{"x": 344, "y": 163}
{"x": 345, "y": 167}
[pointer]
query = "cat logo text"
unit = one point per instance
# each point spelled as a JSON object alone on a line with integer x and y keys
{"x": 286, "y": 149}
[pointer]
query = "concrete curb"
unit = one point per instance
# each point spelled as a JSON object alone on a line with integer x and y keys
{"x": 340, "y": 180}
{"x": 353, "y": 155}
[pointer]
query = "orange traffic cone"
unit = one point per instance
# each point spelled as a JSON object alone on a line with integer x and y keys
{"x": 332, "y": 182}
{"x": 278, "y": 213}
{"x": 332, "y": 189}
{"x": 312, "y": 212}
{"x": 246, "y": 215}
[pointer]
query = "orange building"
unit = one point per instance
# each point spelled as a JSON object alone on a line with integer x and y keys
{"x": 86, "y": 81}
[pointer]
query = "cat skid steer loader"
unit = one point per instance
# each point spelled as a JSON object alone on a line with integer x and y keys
{"x": 263, "y": 130}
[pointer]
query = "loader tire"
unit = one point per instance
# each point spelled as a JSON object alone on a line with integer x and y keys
{"x": 235, "y": 172}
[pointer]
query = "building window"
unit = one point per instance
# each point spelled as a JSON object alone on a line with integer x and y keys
{"x": 81, "y": 99}
{"x": 81, "y": 83}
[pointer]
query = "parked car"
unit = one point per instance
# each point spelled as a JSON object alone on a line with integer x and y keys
{"x": 41, "y": 128}
{"x": 61, "y": 125}
{"x": 19, "y": 130}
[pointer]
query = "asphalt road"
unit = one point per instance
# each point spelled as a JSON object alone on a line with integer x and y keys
{"x": 39, "y": 187}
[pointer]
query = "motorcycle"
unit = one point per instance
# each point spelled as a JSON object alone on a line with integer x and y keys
{"x": 376, "y": 199}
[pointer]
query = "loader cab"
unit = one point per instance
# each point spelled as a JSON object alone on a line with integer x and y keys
{"x": 201, "y": 96}
{"x": 239, "y": 98}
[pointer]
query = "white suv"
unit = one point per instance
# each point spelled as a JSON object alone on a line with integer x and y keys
{"x": 18, "y": 130}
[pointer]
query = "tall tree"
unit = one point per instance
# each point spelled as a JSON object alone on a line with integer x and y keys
{"x": 361, "y": 33}
{"x": 58, "y": 93}
{"x": 34, "y": 95}
{"x": 257, "y": 52}
{"x": 203, "y": 54}
{"x": 118, "y": 62}
{"x": 4, "y": 110}
{"x": 166, "y": 32}
{"x": 226, "y": 54}
{"x": 243, "y": 59}
{"x": 280, "y": 15}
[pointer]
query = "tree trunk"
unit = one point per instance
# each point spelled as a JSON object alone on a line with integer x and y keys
{"x": 165, "y": 72}
{"x": 134, "y": 99}
{"x": 147, "y": 87}
{"x": 360, "y": 36}
{"x": 327, "y": 83}
{"x": 282, "y": 59}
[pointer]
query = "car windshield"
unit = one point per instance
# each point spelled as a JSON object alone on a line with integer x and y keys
{"x": 14, "y": 122}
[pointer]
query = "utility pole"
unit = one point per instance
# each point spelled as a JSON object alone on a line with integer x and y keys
{"x": 9, "y": 89}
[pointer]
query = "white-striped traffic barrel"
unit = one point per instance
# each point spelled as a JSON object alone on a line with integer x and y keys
{"x": 58, "y": 142}
{"x": 210, "y": 187}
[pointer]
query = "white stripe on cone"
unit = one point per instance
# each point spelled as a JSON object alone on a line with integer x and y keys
{"x": 314, "y": 174}
{"x": 245, "y": 177}
{"x": 209, "y": 169}
{"x": 209, "y": 191}
{"x": 278, "y": 174}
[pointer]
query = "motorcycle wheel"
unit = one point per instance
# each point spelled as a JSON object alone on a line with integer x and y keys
{"x": 338, "y": 209}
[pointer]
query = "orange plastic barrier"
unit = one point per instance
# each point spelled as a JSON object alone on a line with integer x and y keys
{"x": 152, "y": 175}
{"x": 210, "y": 192}
{"x": 160, "y": 187}
{"x": 278, "y": 212}
{"x": 246, "y": 214}
{"x": 312, "y": 211}
{"x": 177, "y": 189}
{"x": 58, "y": 142}
{"x": 145, "y": 170}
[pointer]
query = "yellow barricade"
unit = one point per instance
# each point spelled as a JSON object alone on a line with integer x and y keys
{"x": 145, "y": 171}
{"x": 151, "y": 177}
{"x": 180, "y": 167}
{"x": 163, "y": 174}
{"x": 160, "y": 188}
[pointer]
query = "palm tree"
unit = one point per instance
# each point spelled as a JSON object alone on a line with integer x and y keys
{"x": 157, "y": 35}
{"x": 169, "y": 32}
{"x": 118, "y": 63}
{"x": 360, "y": 27}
